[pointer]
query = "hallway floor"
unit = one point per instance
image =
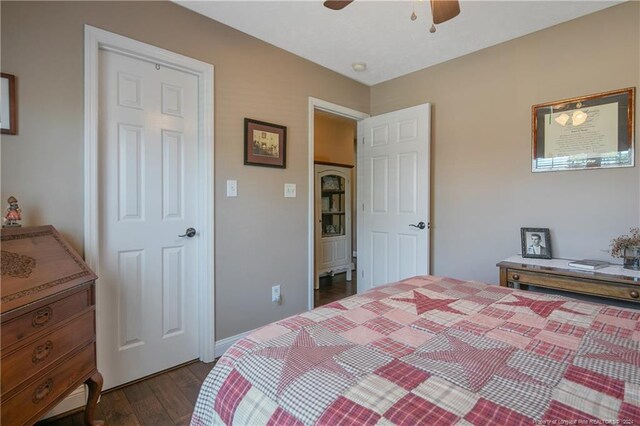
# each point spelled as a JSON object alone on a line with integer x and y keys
{"x": 334, "y": 288}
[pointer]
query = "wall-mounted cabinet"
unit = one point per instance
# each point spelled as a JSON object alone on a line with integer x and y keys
{"x": 333, "y": 220}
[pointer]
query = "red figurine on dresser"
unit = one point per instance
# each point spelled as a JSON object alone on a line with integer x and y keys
{"x": 13, "y": 214}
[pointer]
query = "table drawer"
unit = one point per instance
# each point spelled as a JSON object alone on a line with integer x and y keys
{"x": 21, "y": 407}
{"x": 45, "y": 317}
{"x": 21, "y": 365}
{"x": 576, "y": 285}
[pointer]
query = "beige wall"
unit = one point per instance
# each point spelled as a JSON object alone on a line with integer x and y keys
{"x": 261, "y": 237}
{"x": 483, "y": 190}
{"x": 334, "y": 138}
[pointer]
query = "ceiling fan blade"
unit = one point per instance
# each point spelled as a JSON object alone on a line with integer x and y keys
{"x": 443, "y": 10}
{"x": 337, "y": 4}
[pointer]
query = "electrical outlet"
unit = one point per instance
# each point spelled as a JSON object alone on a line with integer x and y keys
{"x": 275, "y": 294}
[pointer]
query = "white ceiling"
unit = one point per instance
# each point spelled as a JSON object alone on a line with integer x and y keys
{"x": 381, "y": 34}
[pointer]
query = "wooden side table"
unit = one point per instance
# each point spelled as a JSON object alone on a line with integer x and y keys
{"x": 609, "y": 282}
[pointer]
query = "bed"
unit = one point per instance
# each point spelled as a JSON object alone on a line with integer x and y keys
{"x": 433, "y": 350}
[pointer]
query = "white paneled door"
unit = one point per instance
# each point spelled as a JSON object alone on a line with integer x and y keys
{"x": 148, "y": 141}
{"x": 393, "y": 196}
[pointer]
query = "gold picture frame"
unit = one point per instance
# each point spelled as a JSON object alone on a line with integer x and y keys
{"x": 586, "y": 132}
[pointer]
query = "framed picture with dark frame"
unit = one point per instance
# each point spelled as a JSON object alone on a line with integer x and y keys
{"x": 265, "y": 144}
{"x": 536, "y": 242}
{"x": 8, "y": 120}
{"x": 587, "y": 132}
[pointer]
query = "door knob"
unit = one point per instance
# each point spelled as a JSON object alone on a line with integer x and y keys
{"x": 420, "y": 225}
{"x": 190, "y": 232}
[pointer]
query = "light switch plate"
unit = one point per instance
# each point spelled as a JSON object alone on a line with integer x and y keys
{"x": 232, "y": 188}
{"x": 275, "y": 294}
{"x": 289, "y": 190}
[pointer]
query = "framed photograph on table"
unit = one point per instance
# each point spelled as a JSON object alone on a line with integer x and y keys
{"x": 588, "y": 132}
{"x": 8, "y": 120}
{"x": 264, "y": 144}
{"x": 536, "y": 242}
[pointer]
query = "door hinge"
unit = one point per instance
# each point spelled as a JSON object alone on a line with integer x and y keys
{"x": 362, "y": 273}
{"x": 363, "y": 140}
{"x": 362, "y": 206}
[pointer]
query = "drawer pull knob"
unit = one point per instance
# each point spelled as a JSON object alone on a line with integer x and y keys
{"x": 516, "y": 277}
{"x": 41, "y": 352}
{"x": 42, "y": 317}
{"x": 42, "y": 391}
{"x": 634, "y": 294}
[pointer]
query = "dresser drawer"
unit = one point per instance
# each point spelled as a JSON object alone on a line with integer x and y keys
{"x": 21, "y": 407}
{"x": 576, "y": 285}
{"x": 45, "y": 317}
{"x": 21, "y": 365}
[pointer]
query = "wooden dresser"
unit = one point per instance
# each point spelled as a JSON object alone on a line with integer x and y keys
{"x": 47, "y": 325}
{"x": 615, "y": 283}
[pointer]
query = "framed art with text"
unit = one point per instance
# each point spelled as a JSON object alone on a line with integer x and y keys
{"x": 264, "y": 144}
{"x": 593, "y": 131}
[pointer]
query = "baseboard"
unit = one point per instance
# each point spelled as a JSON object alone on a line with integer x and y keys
{"x": 75, "y": 400}
{"x": 226, "y": 343}
{"x": 78, "y": 397}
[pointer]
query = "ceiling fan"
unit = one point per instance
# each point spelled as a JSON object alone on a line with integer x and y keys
{"x": 442, "y": 10}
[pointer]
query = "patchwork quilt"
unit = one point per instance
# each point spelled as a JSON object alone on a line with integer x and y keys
{"x": 432, "y": 350}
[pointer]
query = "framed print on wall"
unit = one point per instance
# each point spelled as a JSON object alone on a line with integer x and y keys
{"x": 536, "y": 242}
{"x": 8, "y": 121}
{"x": 264, "y": 144}
{"x": 587, "y": 132}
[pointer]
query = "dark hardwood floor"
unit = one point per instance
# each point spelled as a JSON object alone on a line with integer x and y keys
{"x": 334, "y": 288}
{"x": 165, "y": 399}
{"x": 168, "y": 399}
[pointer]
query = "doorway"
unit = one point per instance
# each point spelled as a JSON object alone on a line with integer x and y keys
{"x": 333, "y": 217}
{"x": 393, "y": 194}
{"x": 334, "y": 210}
{"x": 146, "y": 184}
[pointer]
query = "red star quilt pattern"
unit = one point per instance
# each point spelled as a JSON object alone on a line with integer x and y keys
{"x": 543, "y": 308}
{"x": 425, "y": 303}
{"x": 432, "y": 350}
{"x": 303, "y": 355}
{"x": 479, "y": 364}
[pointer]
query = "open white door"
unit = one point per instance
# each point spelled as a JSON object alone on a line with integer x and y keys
{"x": 393, "y": 196}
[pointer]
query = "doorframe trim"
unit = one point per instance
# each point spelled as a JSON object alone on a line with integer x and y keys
{"x": 319, "y": 104}
{"x": 96, "y": 39}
